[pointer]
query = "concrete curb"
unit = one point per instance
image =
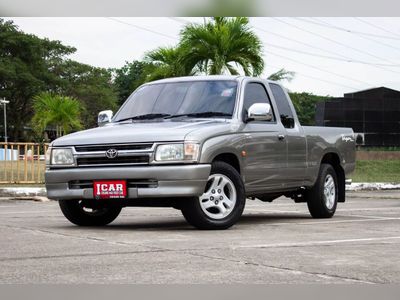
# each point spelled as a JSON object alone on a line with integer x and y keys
{"x": 20, "y": 192}
{"x": 16, "y": 192}
{"x": 372, "y": 186}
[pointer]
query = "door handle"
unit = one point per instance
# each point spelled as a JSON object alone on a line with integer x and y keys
{"x": 281, "y": 137}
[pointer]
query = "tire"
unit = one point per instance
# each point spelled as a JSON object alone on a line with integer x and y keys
{"x": 319, "y": 204}
{"x": 76, "y": 212}
{"x": 224, "y": 191}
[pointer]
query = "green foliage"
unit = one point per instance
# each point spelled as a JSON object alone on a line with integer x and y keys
{"x": 30, "y": 65}
{"x": 377, "y": 171}
{"x": 221, "y": 45}
{"x": 57, "y": 111}
{"x": 128, "y": 78}
{"x": 167, "y": 62}
{"x": 224, "y": 8}
{"x": 92, "y": 86}
{"x": 282, "y": 75}
{"x": 305, "y": 105}
{"x": 27, "y": 65}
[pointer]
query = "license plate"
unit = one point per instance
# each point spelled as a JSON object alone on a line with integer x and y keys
{"x": 109, "y": 189}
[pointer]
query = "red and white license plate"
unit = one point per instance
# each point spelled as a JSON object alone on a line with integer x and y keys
{"x": 109, "y": 189}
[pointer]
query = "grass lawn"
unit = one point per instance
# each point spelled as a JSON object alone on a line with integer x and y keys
{"x": 377, "y": 171}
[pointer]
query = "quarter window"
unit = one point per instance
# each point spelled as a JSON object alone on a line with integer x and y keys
{"x": 282, "y": 102}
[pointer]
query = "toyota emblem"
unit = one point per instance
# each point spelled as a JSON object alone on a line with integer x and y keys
{"x": 111, "y": 153}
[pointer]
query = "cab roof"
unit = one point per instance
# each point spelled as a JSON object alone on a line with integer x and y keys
{"x": 204, "y": 78}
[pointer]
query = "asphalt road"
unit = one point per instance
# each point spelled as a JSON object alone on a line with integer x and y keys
{"x": 273, "y": 243}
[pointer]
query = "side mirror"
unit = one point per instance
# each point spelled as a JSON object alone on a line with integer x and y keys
{"x": 260, "y": 112}
{"x": 104, "y": 117}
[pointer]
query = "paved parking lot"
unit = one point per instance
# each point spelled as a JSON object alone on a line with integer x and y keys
{"x": 273, "y": 243}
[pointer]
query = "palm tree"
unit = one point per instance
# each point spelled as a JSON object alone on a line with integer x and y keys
{"x": 166, "y": 62}
{"x": 56, "y": 110}
{"x": 222, "y": 45}
{"x": 281, "y": 75}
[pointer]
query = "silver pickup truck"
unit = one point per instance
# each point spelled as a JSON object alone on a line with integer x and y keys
{"x": 202, "y": 145}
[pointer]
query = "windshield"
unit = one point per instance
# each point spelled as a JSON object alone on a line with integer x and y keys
{"x": 180, "y": 98}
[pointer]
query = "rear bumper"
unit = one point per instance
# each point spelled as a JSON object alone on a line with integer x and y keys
{"x": 172, "y": 181}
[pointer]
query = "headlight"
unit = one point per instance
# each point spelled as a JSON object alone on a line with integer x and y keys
{"x": 62, "y": 156}
{"x": 177, "y": 152}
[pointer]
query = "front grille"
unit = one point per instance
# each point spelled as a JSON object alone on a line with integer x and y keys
{"x": 131, "y": 183}
{"x": 92, "y": 148}
{"x": 125, "y": 160}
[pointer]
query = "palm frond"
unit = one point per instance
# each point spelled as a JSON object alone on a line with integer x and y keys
{"x": 220, "y": 41}
{"x": 281, "y": 75}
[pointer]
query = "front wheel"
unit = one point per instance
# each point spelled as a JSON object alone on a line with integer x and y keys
{"x": 222, "y": 202}
{"x": 81, "y": 213}
{"x": 322, "y": 198}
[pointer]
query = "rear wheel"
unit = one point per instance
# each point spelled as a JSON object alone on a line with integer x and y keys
{"x": 223, "y": 200}
{"x": 323, "y": 196}
{"x": 81, "y": 213}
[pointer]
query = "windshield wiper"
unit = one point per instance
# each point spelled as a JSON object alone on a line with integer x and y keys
{"x": 204, "y": 114}
{"x": 145, "y": 117}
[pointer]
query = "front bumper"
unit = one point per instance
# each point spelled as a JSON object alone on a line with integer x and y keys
{"x": 173, "y": 181}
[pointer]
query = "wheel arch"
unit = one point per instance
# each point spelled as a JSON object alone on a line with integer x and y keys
{"x": 229, "y": 158}
{"x": 226, "y": 148}
{"x": 333, "y": 159}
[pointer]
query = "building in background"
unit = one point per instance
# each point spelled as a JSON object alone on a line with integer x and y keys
{"x": 373, "y": 114}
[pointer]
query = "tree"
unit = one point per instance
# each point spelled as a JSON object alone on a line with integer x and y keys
{"x": 305, "y": 105}
{"x": 128, "y": 78}
{"x": 56, "y": 110}
{"x": 221, "y": 46}
{"x": 224, "y": 8}
{"x": 167, "y": 62}
{"x": 27, "y": 65}
{"x": 282, "y": 75}
{"x": 30, "y": 65}
{"x": 91, "y": 86}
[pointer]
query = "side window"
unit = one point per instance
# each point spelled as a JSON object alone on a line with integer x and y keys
{"x": 255, "y": 93}
{"x": 282, "y": 102}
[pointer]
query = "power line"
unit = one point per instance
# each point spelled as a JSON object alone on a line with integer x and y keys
{"x": 329, "y": 57}
{"x": 312, "y": 77}
{"x": 348, "y": 30}
{"x": 326, "y": 24}
{"x": 349, "y": 59}
{"x": 178, "y": 20}
{"x": 318, "y": 79}
{"x": 275, "y": 34}
{"x": 320, "y": 69}
{"x": 305, "y": 75}
{"x": 376, "y": 26}
{"x": 345, "y": 58}
{"x": 143, "y": 28}
{"x": 299, "y": 42}
{"x": 331, "y": 40}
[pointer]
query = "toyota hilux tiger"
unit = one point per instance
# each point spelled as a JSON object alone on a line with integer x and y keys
{"x": 204, "y": 145}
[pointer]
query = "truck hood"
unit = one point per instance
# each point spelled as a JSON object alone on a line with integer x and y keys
{"x": 165, "y": 131}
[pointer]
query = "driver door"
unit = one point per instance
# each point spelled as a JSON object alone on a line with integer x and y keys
{"x": 266, "y": 153}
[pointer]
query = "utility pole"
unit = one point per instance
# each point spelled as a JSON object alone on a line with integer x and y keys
{"x": 5, "y": 102}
